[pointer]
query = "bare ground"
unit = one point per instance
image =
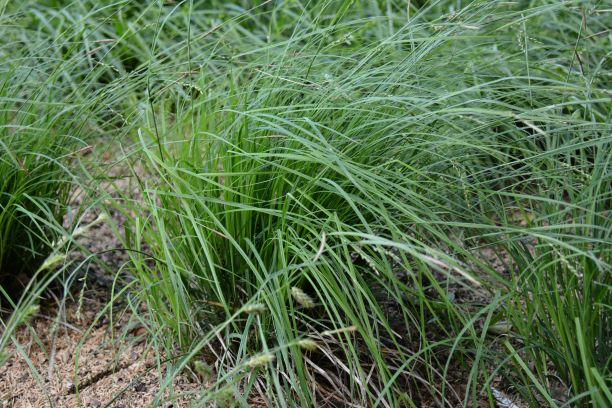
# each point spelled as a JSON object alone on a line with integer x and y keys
{"x": 81, "y": 362}
{"x": 71, "y": 355}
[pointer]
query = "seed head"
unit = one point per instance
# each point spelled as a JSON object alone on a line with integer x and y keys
{"x": 31, "y": 311}
{"x": 302, "y": 298}
{"x": 224, "y": 394}
{"x": 500, "y": 328}
{"x": 260, "y": 360}
{"x": 256, "y": 308}
{"x": 202, "y": 369}
{"x": 52, "y": 261}
{"x": 308, "y": 344}
{"x": 348, "y": 329}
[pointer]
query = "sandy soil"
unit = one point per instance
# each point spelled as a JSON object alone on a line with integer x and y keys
{"x": 112, "y": 370}
{"x": 113, "y": 366}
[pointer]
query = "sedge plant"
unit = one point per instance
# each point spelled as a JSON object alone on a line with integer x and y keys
{"x": 317, "y": 188}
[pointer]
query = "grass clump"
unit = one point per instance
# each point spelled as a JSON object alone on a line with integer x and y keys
{"x": 349, "y": 166}
{"x": 349, "y": 201}
{"x": 36, "y": 146}
{"x": 51, "y": 106}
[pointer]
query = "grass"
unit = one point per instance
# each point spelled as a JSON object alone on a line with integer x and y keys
{"x": 365, "y": 197}
{"x": 36, "y": 150}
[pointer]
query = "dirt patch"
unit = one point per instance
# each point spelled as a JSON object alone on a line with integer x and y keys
{"x": 67, "y": 358}
{"x": 69, "y": 354}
